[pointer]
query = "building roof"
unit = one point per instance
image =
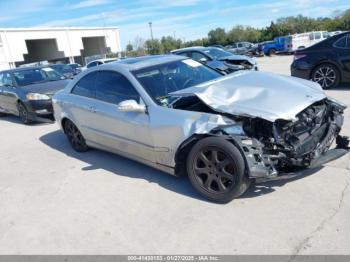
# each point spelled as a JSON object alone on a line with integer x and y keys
{"x": 22, "y": 29}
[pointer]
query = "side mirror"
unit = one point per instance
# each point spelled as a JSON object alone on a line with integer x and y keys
{"x": 131, "y": 106}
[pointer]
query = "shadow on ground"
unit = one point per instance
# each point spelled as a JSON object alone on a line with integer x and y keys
{"x": 16, "y": 120}
{"x": 121, "y": 166}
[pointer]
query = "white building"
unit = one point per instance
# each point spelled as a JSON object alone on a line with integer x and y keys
{"x": 65, "y": 44}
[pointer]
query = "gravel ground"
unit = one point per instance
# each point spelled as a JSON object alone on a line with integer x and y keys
{"x": 56, "y": 201}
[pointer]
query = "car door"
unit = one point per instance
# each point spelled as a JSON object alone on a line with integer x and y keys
{"x": 2, "y": 104}
{"x": 126, "y": 132}
{"x": 342, "y": 47}
{"x": 9, "y": 93}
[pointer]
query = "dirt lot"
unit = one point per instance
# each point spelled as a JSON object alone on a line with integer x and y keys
{"x": 54, "y": 200}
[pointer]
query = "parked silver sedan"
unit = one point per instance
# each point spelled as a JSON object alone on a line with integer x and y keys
{"x": 179, "y": 116}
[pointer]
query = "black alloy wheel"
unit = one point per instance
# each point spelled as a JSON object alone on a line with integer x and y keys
{"x": 216, "y": 169}
{"x": 75, "y": 138}
{"x": 326, "y": 75}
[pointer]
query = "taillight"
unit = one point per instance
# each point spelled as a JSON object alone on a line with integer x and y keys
{"x": 298, "y": 56}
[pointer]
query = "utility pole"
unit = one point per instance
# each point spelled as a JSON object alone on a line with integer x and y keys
{"x": 150, "y": 28}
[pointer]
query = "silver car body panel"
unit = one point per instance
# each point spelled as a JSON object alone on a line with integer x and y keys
{"x": 153, "y": 137}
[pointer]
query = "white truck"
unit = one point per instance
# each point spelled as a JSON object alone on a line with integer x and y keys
{"x": 304, "y": 40}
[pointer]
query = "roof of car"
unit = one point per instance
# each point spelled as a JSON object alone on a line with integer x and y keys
{"x": 144, "y": 61}
{"x": 190, "y": 48}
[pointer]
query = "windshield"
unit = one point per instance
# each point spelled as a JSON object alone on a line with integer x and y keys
{"x": 216, "y": 53}
{"x": 62, "y": 68}
{"x": 38, "y": 75}
{"x": 74, "y": 66}
{"x": 160, "y": 80}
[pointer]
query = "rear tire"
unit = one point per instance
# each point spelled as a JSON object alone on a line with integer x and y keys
{"x": 326, "y": 75}
{"x": 216, "y": 168}
{"x": 75, "y": 138}
{"x": 23, "y": 113}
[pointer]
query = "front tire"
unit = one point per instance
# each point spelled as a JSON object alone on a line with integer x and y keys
{"x": 272, "y": 52}
{"x": 75, "y": 138}
{"x": 327, "y": 75}
{"x": 216, "y": 168}
{"x": 23, "y": 113}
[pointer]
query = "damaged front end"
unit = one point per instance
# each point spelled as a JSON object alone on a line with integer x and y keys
{"x": 279, "y": 147}
{"x": 228, "y": 65}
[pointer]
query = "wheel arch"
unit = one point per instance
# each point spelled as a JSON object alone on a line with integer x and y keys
{"x": 326, "y": 62}
{"x": 185, "y": 147}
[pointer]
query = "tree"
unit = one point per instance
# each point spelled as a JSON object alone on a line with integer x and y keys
{"x": 129, "y": 48}
{"x": 154, "y": 47}
{"x": 217, "y": 37}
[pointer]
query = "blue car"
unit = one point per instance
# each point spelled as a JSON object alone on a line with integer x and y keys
{"x": 281, "y": 44}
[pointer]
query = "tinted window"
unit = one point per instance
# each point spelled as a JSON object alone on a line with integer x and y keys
{"x": 6, "y": 79}
{"x": 326, "y": 35}
{"x": 198, "y": 56}
{"x": 114, "y": 88}
{"x": 318, "y": 35}
{"x": 311, "y": 36}
{"x": 85, "y": 86}
{"x": 1, "y": 79}
{"x": 188, "y": 54}
{"x": 34, "y": 76}
{"x": 342, "y": 43}
{"x": 91, "y": 64}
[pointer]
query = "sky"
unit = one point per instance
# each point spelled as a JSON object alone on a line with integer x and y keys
{"x": 186, "y": 19}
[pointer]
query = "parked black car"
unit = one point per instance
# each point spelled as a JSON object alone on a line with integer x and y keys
{"x": 218, "y": 59}
{"x": 27, "y": 92}
{"x": 327, "y": 62}
{"x": 64, "y": 70}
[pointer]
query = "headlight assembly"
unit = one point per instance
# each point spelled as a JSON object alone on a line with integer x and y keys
{"x": 35, "y": 96}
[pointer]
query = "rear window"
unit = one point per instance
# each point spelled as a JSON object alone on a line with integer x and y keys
{"x": 343, "y": 42}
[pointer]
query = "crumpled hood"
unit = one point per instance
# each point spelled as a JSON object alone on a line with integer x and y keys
{"x": 257, "y": 94}
{"x": 239, "y": 58}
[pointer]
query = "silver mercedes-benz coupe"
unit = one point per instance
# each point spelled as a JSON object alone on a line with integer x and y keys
{"x": 179, "y": 116}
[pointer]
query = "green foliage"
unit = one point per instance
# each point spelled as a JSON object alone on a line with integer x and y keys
{"x": 219, "y": 36}
{"x": 129, "y": 48}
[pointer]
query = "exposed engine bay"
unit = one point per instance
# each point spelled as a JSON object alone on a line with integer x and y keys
{"x": 278, "y": 147}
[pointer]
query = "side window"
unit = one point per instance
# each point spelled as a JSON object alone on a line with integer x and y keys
{"x": 317, "y": 35}
{"x": 185, "y": 54}
{"x": 85, "y": 86}
{"x": 239, "y": 45}
{"x": 341, "y": 43}
{"x": 1, "y": 79}
{"x": 114, "y": 88}
{"x": 7, "y": 79}
{"x": 325, "y": 35}
{"x": 311, "y": 36}
{"x": 198, "y": 56}
{"x": 92, "y": 64}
